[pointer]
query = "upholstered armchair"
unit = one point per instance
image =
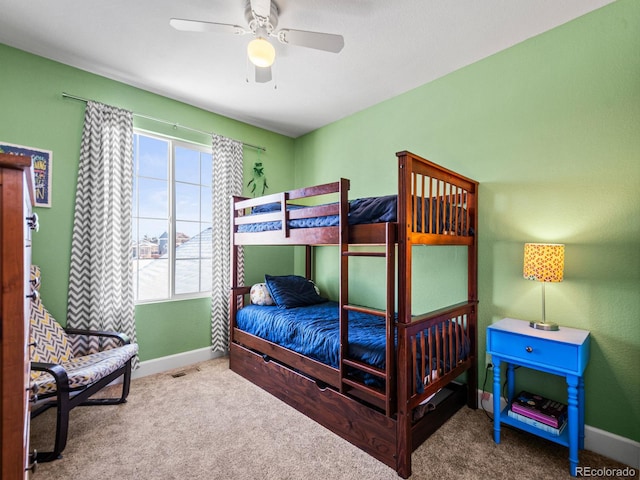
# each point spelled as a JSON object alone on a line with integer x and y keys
{"x": 63, "y": 376}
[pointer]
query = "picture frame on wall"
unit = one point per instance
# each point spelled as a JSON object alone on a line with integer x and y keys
{"x": 41, "y": 162}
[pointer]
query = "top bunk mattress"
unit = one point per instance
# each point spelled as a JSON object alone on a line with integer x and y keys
{"x": 362, "y": 211}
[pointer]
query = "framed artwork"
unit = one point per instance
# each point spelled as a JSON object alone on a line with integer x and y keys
{"x": 42, "y": 168}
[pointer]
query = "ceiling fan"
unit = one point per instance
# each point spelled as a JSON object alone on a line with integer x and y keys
{"x": 262, "y": 19}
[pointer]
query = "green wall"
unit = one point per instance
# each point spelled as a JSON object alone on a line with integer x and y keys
{"x": 35, "y": 114}
{"x": 551, "y": 130}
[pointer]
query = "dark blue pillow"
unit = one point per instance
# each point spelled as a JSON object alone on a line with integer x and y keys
{"x": 291, "y": 291}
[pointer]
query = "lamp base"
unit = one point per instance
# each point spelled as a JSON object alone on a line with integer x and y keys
{"x": 544, "y": 326}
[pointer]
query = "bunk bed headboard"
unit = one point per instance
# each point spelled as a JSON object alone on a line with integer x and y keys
{"x": 437, "y": 202}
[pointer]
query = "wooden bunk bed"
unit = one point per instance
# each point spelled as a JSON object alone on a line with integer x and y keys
{"x": 423, "y": 354}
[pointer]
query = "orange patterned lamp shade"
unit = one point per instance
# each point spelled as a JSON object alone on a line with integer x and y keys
{"x": 543, "y": 262}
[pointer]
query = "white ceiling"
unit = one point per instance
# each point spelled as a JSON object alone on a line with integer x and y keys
{"x": 391, "y": 46}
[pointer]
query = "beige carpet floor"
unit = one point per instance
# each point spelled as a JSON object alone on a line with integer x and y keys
{"x": 212, "y": 424}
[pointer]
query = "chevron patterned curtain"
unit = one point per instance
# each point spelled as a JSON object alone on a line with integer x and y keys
{"x": 227, "y": 181}
{"x": 101, "y": 271}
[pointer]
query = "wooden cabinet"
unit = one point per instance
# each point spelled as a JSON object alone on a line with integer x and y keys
{"x": 16, "y": 199}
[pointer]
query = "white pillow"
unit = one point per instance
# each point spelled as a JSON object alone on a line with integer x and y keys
{"x": 259, "y": 295}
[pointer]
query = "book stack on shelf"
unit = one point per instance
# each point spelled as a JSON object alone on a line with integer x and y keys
{"x": 539, "y": 412}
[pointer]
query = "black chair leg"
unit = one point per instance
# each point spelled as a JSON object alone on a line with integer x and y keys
{"x": 126, "y": 382}
{"x": 62, "y": 431}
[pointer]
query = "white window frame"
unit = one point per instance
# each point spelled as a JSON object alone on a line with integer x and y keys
{"x": 171, "y": 221}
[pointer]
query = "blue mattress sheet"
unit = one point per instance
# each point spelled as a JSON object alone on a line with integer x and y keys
{"x": 314, "y": 331}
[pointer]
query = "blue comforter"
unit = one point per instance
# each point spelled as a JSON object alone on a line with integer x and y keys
{"x": 314, "y": 331}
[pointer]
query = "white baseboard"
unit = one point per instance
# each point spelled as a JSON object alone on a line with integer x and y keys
{"x": 162, "y": 364}
{"x": 621, "y": 449}
{"x": 614, "y": 446}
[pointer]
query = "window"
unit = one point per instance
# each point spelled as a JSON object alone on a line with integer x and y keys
{"x": 172, "y": 218}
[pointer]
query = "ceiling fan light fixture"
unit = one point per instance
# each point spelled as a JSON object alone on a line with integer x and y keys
{"x": 261, "y": 52}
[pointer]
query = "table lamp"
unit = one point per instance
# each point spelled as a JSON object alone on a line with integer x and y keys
{"x": 543, "y": 262}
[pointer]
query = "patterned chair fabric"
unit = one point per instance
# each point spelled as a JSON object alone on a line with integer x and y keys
{"x": 88, "y": 369}
{"x": 52, "y": 344}
{"x": 58, "y": 371}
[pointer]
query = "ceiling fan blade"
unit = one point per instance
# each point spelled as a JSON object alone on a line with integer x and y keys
{"x": 320, "y": 41}
{"x": 261, "y": 8}
{"x": 263, "y": 74}
{"x": 198, "y": 26}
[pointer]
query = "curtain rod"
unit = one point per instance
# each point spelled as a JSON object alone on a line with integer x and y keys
{"x": 159, "y": 120}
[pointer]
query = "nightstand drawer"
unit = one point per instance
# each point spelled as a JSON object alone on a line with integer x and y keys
{"x": 534, "y": 350}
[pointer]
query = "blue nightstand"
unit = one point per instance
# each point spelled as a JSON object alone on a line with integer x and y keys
{"x": 564, "y": 352}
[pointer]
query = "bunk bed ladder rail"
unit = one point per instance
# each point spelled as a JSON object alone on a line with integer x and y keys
{"x": 385, "y": 399}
